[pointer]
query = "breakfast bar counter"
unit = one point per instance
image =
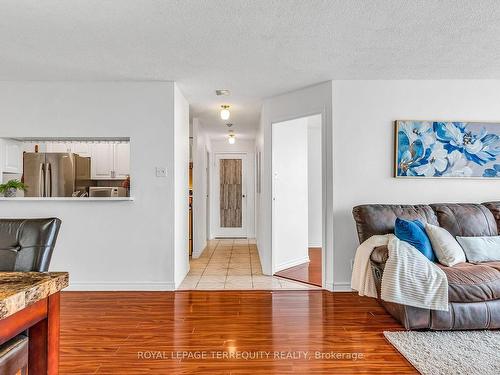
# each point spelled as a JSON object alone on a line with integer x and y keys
{"x": 30, "y": 301}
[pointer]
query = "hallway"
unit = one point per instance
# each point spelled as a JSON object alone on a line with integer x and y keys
{"x": 233, "y": 264}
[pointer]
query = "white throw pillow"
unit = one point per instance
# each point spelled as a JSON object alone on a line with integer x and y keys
{"x": 446, "y": 248}
{"x": 481, "y": 249}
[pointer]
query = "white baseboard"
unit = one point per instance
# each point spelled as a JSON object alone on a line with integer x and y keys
{"x": 315, "y": 244}
{"x": 121, "y": 286}
{"x": 341, "y": 287}
{"x": 292, "y": 263}
{"x": 329, "y": 286}
{"x": 198, "y": 252}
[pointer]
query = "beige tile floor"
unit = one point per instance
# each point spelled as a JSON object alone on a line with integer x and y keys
{"x": 233, "y": 264}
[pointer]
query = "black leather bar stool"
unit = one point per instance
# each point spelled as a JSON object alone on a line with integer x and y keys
{"x": 25, "y": 245}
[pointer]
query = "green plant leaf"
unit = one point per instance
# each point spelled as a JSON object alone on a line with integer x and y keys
{"x": 12, "y": 184}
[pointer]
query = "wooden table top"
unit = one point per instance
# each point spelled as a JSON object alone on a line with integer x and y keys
{"x": 19, "y": 290}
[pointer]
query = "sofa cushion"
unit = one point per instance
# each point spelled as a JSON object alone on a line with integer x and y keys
{"x": 372, "y": 219}
{"x": 494, "y": 208}
{"x": 481, "y": 249}
{"x": 380, "y": 254}
{"x": 413, "y": 232}
{"x": 466, "y": 219}
{"x": 446, "y": 248}
{"x": 495, "y": 265}
{"x": 473, "y": 282}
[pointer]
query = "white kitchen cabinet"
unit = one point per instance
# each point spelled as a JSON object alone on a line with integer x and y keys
{"x": 12, "y": 156}
{"x": 101, "y": 161}
{"x": 58, "y": 147}
{"x": 121, "y": 156}
{"x": 81, "y": 148}
{"x": 110, "y": 161}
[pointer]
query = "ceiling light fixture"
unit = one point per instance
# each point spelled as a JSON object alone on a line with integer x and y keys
{"x": 224, "y": 112}
{"x": 222, "y": 92}
{"x": 231, "y": 139}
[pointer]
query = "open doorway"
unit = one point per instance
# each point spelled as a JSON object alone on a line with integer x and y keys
{"x": 297, "y": 219}
{"x": 224, "y": 189}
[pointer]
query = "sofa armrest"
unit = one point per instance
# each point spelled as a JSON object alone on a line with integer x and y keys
{"x": 378, "y": 257}
{"x": 380, "y": 254}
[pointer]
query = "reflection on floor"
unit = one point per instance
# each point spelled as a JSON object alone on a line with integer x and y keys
{"x": 309, "y": 273}
{"x": 139, "y": 333}
{"x": 232, "y": 264}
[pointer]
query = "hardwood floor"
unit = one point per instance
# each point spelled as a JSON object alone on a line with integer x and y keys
{"x": 309, "y": 273}
{"x": 150, "y": 332}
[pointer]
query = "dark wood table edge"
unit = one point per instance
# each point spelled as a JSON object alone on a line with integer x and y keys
{"x": 42, "y": 320}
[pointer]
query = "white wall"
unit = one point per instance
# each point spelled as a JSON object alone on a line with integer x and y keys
{"x": 241, "y": 146}
{"x": 290, "y": 193}
{"x": 364, "y": 112}
{"x": 105, "y": 245}
{"x": 201, "y": 145}
{"x": 314, "y": 179}
{"x": 181, "y": 185}
{"x": 311, "y": 100}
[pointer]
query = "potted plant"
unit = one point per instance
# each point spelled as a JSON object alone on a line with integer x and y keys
{"x": 10, "y": 188}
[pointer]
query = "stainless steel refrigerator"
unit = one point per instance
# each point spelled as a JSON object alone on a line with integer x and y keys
{"x": 53, "y": 174}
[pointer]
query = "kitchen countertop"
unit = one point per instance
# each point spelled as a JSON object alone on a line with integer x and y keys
{"x": 19, "y": 290}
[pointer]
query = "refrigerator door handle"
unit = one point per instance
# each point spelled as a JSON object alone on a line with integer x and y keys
{"x": 46, "y": 181}
{"x": 49, "y": 169}
{"x": 41, "y": 180}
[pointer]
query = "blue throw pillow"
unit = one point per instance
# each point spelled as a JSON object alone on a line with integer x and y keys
{"x": 413, "y": 232}
{"x": 421, "y": 226}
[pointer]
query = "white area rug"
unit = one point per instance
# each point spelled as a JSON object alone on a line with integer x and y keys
{"x": 453, "y": 352}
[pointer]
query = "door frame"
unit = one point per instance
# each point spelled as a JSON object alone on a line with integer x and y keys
{"x": 219, "y": 232}
{"x": 208, "y": 192}
{"x": 324, "y": 186}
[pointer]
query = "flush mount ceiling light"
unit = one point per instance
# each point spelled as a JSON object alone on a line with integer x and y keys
{"x": 231, "y": 139}
{"x": 224, "y": 112}
{"x": 222, "y": 92}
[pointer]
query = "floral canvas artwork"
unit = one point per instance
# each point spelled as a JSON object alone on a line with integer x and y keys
{"x": 447, "y": 149}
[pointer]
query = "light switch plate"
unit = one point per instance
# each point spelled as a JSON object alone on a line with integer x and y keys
{"x": 161, "y": 172}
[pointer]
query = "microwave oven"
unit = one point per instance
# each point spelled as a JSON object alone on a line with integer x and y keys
{"x": 109, "y": 192}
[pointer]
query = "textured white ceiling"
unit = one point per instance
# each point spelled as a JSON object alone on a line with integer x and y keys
{"x": 255, "y": 48}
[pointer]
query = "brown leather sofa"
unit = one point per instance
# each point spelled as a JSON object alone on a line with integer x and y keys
{"x": 474, "y": 289}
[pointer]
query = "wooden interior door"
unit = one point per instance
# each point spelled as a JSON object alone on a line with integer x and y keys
{"x": 231, "y": 195}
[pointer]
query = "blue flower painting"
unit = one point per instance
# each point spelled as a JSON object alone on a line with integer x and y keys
{"x": 447, "y": 149}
